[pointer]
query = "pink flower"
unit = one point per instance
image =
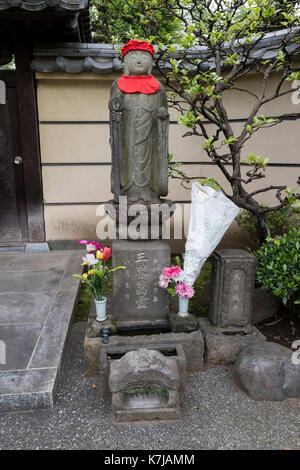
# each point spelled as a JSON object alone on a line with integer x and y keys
{"x": 163, "y": 281}
{"x": 184, "y": 290}
{"x": 172, "y": 272}
{"x": 83, "y": 242}
{"x": 97, "y": 246}
{"x": 90, "y": 246}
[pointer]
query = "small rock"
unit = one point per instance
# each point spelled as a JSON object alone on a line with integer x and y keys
{"x": 265, "y": 371}
{"x": 291, "y": 380}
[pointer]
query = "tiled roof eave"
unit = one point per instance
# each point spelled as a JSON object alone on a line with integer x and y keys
{"x": 39, "y": 5}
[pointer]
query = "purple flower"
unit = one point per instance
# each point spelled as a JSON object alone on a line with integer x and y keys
{"x": 184, "y": 290}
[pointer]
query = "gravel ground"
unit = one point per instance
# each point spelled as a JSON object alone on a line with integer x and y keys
{"x": 215, "y": 415}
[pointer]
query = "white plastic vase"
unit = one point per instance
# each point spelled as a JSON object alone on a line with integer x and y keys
{"x": 183, "y": 306}
{"x": 101, "y": 309}
{"x": 211, "y": 215}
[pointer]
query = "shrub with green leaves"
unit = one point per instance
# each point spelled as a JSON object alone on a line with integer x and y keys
{"x": 278, "y": 266}
{"x": 279, "y": 222}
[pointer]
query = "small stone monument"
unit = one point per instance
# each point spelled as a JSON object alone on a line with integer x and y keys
{"x": 233, "y": 274}
{"x": 228, "y": 329}
{"x": 145, "y": 386}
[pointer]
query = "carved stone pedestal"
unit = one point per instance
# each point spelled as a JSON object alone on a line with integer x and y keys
{"x": 137, "y": 298}
{"x": 145, "y": 387}
{"x": 232, "y": 283}
{"x": 228, "y": 329}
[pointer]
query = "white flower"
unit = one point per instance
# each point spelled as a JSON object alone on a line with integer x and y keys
{"x": 90, "y": 259}
{"x": 90, "y": 247}
{"x": 180, "y": 277}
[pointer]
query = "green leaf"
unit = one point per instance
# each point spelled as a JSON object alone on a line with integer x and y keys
{"x": 115, "y": 269}
{"x": 78, "y": 276}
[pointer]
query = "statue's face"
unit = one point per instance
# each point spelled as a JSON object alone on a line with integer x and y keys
{"x": 138, "y": 63}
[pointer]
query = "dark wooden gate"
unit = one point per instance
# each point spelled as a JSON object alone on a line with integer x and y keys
{"x": 13, "y": 213}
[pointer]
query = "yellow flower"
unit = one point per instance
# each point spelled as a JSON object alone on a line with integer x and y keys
{"x": 91, "y": 272}
{"x": 99, "y": 254}
{"x": 84, "y": 264}
{"x": 85, "y": 275}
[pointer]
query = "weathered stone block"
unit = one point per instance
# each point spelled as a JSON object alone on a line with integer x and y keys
{"x": 137, "y": 298}
{"x": 223, "y": 345}
{"x": 144, "y": 385}
{"x": 233, "y": 275}
{"x": 192, "y": 343}
{"x": 265, "y": 371}
{"x": 109, "y": 354}
{"x": 179, "y": 324}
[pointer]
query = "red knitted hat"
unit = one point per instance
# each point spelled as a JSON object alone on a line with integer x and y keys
{"x": 134, "y": 45}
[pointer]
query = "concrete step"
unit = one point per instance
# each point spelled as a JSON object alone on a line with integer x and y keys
{"x": 37, "y": 299}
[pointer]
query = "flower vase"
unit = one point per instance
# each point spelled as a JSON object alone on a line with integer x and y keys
{"x": 183, "y": 306}
{"x": 101, "y": 309}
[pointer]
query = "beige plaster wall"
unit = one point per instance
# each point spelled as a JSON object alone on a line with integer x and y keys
{"x": 75, "y": 152}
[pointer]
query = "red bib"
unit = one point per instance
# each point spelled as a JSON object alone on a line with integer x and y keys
{"x": 146, "y": 84}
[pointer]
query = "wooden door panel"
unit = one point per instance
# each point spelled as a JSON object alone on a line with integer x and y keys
{"x": 13, "y": 218}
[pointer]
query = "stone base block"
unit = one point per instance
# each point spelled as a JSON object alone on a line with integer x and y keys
{"x": 180, "y": 324}
{"x": 192, "y": 343}
{"x": 150, "y": 416}
{"x": 109, "y": 354}
{"x": 222, "y": 345}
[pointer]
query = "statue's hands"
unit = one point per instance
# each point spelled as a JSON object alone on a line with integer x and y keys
{"x": 162, "y": 113}
{"x": 116, "y": 115}
{"x": 116, "y": 107}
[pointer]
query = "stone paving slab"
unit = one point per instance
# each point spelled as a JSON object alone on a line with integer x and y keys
{"x": 28, "y": 281}
{"x": 20, "y": 341}
{"x": 40, "y": 261}
{"x": 24, "y": 308}
{"x": 37, "y": 298}
{"x": 6, "y": 259}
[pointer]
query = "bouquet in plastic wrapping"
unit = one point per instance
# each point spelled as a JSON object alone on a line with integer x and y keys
{"x": 211, "y": 215}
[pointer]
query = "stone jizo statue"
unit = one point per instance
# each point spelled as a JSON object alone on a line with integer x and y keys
{"x": 139, "y": 124}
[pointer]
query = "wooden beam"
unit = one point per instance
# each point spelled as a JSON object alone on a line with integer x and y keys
{"x": 29, "y": 138}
